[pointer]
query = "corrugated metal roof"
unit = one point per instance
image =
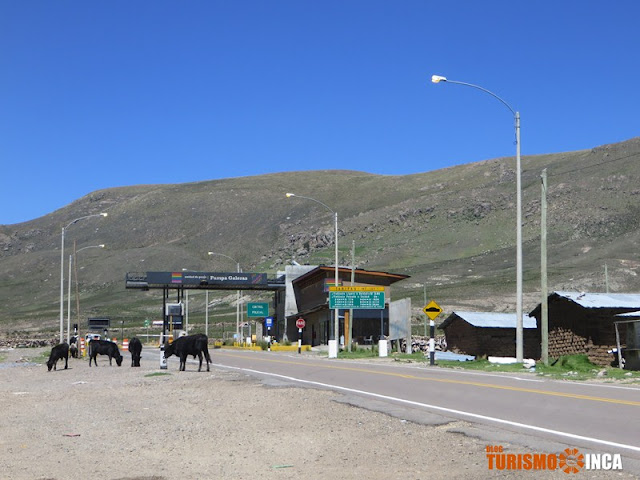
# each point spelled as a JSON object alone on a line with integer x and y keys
{"x": 495, "y": 320}
{"x": 603, "y": 300}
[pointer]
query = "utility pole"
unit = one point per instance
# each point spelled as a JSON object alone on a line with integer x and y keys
{"x": 206, "y": 314}
{"x": 353, "y": 277}
{"x": 75, "y": 274}
{"x": 544, "y": 307}
{"x": 425, "y": 315}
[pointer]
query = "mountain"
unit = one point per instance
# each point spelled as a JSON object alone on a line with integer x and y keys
{"x": 451, "y": 230}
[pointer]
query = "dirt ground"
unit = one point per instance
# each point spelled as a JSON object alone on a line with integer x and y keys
{"x": 150, "y": 424}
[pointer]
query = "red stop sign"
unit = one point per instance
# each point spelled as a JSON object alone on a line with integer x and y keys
{"x": 300, "y": 323}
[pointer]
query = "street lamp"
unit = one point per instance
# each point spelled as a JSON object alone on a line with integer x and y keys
{"x": 516, "y": 116}
{"x": 336, "y": 326}
{"x": 237, "y": 299}
{"x": 69, "y": 290}
{"x": 186, "y": 298}
{"x": 62, "y": 269}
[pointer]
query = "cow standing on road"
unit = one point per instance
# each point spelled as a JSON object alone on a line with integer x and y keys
{"x": 135, "y": 347}
{"x": 104, "y": 347}
{"x": 195, "y": 345}
{"x": 58, "y": 353}
{"x": 73, "y": 347}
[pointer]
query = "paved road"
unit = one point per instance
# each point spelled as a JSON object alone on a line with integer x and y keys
{"x": 594, "y": 417}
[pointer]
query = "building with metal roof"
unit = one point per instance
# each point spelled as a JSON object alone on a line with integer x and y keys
{"x": 602, "y": 300}
{"x": 489, "y": 333}
{"x": 311, "y": 293}
{"x": 583, "y": 323}
{"x": 490, "y": 319}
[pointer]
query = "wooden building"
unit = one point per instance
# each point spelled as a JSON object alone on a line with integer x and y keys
{"x": 583, "y": 323}
{"x": 489, "y": 334}
{"x": 311, "y": 292}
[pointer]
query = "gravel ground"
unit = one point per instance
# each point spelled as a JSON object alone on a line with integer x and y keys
{"x": 147, "y": 424}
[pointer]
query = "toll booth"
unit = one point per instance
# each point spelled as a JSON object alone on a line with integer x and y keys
{"x": 174, "y": 318}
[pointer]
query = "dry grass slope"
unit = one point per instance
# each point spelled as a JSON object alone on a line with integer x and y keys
{"x": 451, "y": 230}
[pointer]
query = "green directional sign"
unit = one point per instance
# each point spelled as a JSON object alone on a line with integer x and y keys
{"x": 356, "y": 300}
{"x": 257, "y": 309}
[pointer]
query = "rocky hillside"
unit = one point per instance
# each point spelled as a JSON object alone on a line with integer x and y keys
{"x": 452, "y": 230}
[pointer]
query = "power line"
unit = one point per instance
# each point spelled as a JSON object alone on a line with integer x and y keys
{"x": 596, "y": 164}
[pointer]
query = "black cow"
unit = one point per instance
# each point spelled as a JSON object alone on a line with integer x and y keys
{"x": 135, "y": 347}
{"x": 104, "y": 347}
{"x": 194, "y": 345}
{"x": 58, "y": 353}
{"x": 73, "y": 347}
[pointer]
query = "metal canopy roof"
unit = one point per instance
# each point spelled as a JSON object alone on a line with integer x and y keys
{"x": 204, "y": 281}
{"x": 359, "y": 272}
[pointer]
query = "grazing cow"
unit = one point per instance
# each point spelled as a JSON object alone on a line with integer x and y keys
{"x": 73, "y": 347}
{"x": 104, "y": 347}
{"x": 58, "y": 353}
{"x": 135, "y": 347}
{"x": 194, "y": 345}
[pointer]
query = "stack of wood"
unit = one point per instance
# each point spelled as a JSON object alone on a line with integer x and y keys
{"x": 563, "y": 341}
{"x": 599, "y": 355}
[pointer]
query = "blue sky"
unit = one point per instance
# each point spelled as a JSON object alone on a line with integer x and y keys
{"x": 105, "y": 94}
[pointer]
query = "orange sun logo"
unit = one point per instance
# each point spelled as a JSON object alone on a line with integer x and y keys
{"x": 571, "y": 460}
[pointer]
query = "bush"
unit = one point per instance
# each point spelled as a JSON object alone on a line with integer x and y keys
{"x": 578, "y": 363}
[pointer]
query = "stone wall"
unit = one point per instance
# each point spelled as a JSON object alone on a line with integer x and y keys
{"x": 26, "y": 343}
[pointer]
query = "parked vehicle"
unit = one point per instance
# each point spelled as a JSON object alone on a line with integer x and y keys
{"x": 614, "y": 352}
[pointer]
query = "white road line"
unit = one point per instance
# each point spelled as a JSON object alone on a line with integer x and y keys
{"x": 546, "y": 379}
{"x": 499, "y": 375}
{"x": 604, "y": 385}
{"x": 442, "y": 409}
{"x": 485, "y": 374}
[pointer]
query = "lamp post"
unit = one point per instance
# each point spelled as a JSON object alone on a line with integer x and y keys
{"x": 516, "y": 117}
{"x": 186, "y": 298}
{"x": 238, "y": 270}
{"x": 62, "y": 269}
{"x": 336, "y": 326}
{"x": 75, "y": 253}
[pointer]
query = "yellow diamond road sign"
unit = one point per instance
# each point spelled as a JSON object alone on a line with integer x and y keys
{"x": 432, "y": 310}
